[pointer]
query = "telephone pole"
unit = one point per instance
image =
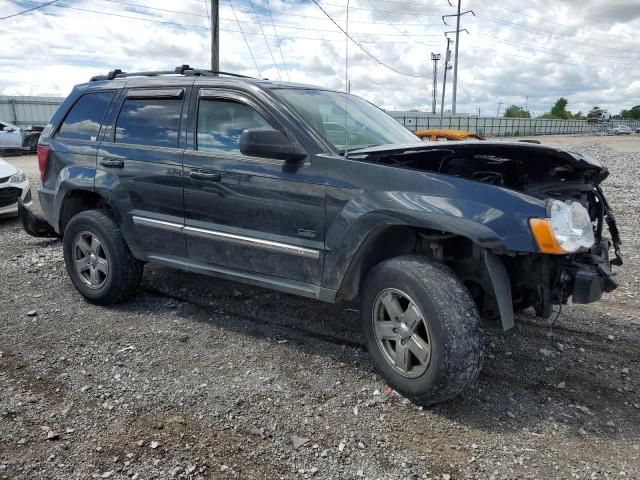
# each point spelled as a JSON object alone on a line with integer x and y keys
{"x": 434, "y": 58}
{"x": 457, "y": 45}
{"x": 447, "y": 59}
{"x": 215, "y": 36}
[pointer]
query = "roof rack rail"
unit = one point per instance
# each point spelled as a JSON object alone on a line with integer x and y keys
{"x": 181, "y": 70}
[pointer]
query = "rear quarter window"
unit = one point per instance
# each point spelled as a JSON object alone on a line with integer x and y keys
{"x": 149, "y": 121}
{"x": 83, "y": 121}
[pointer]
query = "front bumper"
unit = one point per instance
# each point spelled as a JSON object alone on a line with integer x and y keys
{"x": 591, "y": 274}
{"x": 11, "y": 194}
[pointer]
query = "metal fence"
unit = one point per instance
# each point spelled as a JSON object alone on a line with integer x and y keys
{"x": 28, "y": 111}
{"x": 505, "y": 127}
{"x": 36, "y": 111}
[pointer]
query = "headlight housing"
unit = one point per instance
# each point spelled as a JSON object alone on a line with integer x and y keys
{"x": 17, "y": 177}
{"x": 567, "y": 230}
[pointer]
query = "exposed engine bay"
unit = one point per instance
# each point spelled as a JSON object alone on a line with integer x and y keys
{"x": 545, "y": 173}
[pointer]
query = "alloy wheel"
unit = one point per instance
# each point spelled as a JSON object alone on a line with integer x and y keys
{"x": 90, "y": 260}
{"x": 401, "y": 332}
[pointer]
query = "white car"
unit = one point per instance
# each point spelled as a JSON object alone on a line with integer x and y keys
{"x": 11, "y": 138}
{"x": 620, "y": 130}
{"x": 14, "y": 185}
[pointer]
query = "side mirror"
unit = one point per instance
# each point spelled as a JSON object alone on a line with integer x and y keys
{"x": 270, "y": 143}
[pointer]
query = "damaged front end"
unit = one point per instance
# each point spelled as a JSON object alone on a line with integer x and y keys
{"x": 572, "y": 258}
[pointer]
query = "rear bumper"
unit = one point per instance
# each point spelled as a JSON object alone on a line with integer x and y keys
{"x": 33, "y": 223}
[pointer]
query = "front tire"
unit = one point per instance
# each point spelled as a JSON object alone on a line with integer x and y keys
{"x": 421, "y": 328}
{"x": 98, "y": 259}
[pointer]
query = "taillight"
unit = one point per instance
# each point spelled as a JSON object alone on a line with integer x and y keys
{"x": 43, "y": 156}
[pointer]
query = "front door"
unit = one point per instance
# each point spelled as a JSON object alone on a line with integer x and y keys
{"x": 253, "y": 214}
{"x": 10, "y": 137}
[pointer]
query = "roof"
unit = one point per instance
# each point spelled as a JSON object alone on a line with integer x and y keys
{"x": 186, "y": 72}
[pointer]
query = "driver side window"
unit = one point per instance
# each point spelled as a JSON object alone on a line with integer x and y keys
{"x": 221, "y": 122}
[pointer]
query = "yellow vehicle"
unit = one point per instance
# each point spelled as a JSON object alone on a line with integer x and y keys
{"x": 436, "y": 134}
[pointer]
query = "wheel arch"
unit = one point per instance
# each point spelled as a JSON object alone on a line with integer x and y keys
{"x": 390, "y": 241}
{"x": 79, "y": 200}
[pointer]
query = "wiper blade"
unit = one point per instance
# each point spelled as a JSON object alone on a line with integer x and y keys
{"x": 359, "y": 147}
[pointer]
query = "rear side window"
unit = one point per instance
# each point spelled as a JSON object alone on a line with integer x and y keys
{"x": 149, "y": 121}
{"x": 85, "y": 117}
{"x": 221, "y": 122}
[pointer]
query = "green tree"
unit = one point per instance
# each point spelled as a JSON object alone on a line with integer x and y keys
{"x": 515, "y": 111}
{"x": 632, "y": 114}
{"x": 559, "y": 110}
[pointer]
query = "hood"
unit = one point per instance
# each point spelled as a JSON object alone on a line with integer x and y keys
{"x": 480, "y": 147}
{"x": 526, "y": 167}
{"x": 6, "y": 169}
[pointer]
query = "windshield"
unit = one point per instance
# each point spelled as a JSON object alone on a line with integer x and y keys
{"x": 345, "y": 121}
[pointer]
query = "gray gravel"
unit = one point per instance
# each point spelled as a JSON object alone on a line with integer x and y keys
{"x": 199, "y": 378}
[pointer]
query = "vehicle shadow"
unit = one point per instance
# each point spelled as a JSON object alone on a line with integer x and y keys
{"x": 532, "y": 374}
{"x": 571, "y": 374}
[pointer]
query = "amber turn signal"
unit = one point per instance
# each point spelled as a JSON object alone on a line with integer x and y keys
{"x": 543, "y": 233}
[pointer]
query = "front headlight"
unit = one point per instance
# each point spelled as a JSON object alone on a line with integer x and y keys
{"x": 18, "y": 177}
{"x": 566, "y": 231}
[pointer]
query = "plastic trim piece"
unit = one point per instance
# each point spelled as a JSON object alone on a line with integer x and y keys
{"x": 229, "y": 237}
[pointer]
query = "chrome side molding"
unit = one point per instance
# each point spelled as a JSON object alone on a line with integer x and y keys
{"x": 229, "y": 237}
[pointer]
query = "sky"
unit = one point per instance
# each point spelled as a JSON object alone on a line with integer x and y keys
{"x": 527, "y": 53}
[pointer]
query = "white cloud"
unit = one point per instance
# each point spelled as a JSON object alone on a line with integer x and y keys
{"x": 585, "y": 51}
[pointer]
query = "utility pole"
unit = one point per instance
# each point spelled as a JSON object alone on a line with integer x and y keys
{"x": 457, "y": 45}
{"x": 434, "y": 58}
{"x": 215, "y": 36}
{"x": 447, "y": 59}
{"x": 347, "y": 86}
{"x": 499, "y": 105}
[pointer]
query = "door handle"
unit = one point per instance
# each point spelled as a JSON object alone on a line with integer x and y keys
{"x": 112, "y": 163}
{"x": 209, "y": 176}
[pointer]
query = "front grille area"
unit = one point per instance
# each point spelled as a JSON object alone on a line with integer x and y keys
{"x": 9, "y": 196}
{"x": 4, "y": 179}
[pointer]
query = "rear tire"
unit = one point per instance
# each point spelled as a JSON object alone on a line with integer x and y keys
{"x": 98, "y": 259}
{"x": 449, "y": 325}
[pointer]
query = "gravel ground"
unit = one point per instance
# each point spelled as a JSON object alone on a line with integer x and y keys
{"x": 200, "y": 378}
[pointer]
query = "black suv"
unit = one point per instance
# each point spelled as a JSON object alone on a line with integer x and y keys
{"x": 321, "y": 194}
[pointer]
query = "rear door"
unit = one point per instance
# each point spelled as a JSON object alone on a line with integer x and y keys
{"x": 74, "y": 144}
{"x": 253, "y": 214}
{"x": 140, "y": 167}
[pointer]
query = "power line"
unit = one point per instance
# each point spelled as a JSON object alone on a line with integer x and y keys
{"x": 28, "y": 10}
{"x": 275, "y": 25}
{"x": 200, "y": 27}
{"x": 365, "y": 50}
{"x": 551, "y": 51}
{"x": 286, "y": 69}
{"x": 404, "y": 34}
{"x": 552, "y": 33}
{"x": 246, "y": 41}
{"x": 206, "y": 8}
{"x": 559, "y": 62}
{"x": 265, "y": 39}
{"x": 417, "y": 4}
{"x": 519, "y": 13}
{"x": 294, "y": 38}
{"x": 287, "y": 14}
{"x": 385, "y": 11}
